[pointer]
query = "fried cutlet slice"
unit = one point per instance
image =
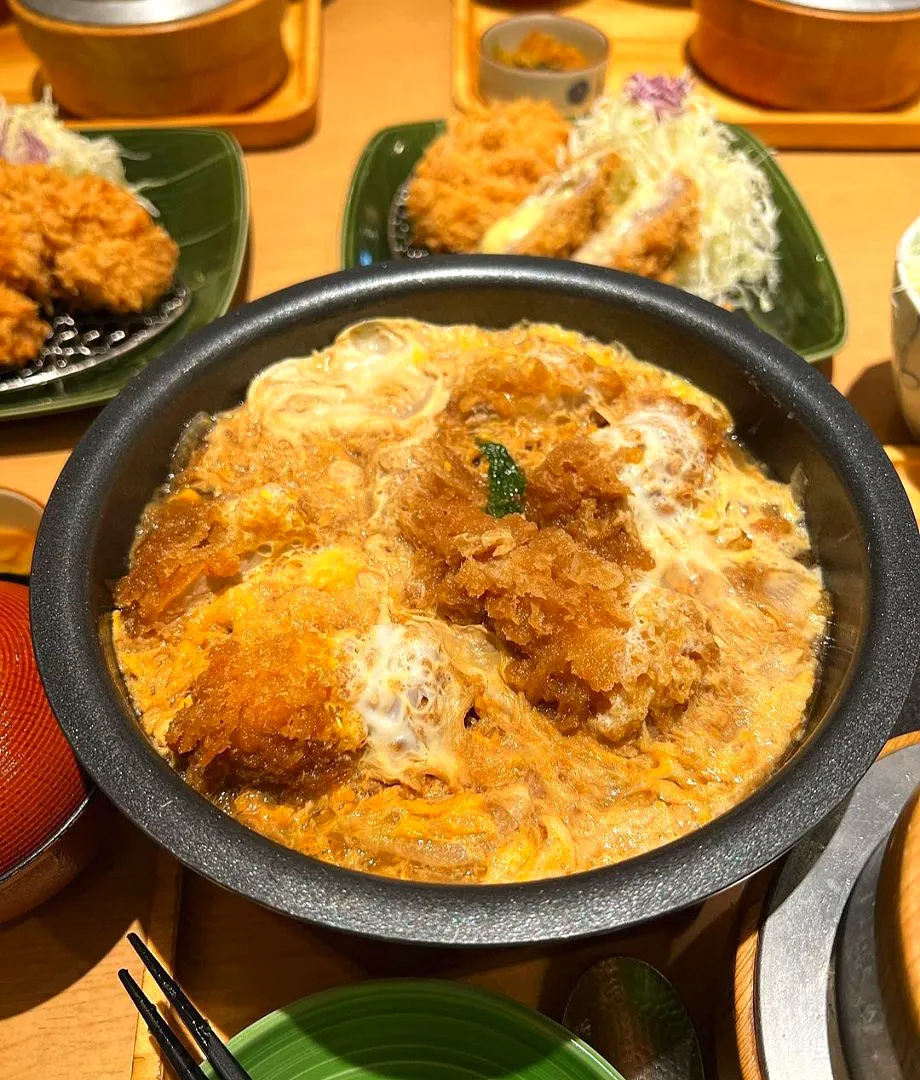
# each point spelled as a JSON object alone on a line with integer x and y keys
{"x": 559, "y": 606}
{"x": 485, "y": 165}
{"x": 264, "y": 712}
{"x": 650, "y": 240}
{"x": 22, "y": 332}
{"x": 22, "y": 264}
{"x": 108, "y": 253}
{"x": 83, "y": 240}
{"x": 120, "y": 274}
{"x": 560, "y": 217}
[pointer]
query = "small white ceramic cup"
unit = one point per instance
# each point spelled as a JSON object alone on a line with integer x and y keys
{"x": 905, "y": 330}
{"x": 572, "y": 92}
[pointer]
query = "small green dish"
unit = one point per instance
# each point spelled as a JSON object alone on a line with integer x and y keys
{"x": 413, "y": 1030}
{"x": 809, "y": 314}
{"x": 197, "y": 181}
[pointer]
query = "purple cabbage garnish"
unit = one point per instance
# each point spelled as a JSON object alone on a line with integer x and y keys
{"x": 666, "y": 94}
{"x": 33, "y": 151}
{"x": 28, "y": 149}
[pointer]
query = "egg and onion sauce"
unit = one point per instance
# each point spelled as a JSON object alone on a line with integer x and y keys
{"x": 466, "y": 605}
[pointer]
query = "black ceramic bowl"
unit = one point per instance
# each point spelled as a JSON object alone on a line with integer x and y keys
{"x": 786, "y": 413}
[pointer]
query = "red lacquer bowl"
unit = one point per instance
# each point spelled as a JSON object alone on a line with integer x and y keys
{"x": 46, "y": 836}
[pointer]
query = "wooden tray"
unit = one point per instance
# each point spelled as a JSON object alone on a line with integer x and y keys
{"x": 287, "y": 115}
{"x": 651, "y": 37}
{"x": 238, "y": 961}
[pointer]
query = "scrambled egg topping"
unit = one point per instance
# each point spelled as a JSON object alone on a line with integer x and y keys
{"x": 326, "y": 630}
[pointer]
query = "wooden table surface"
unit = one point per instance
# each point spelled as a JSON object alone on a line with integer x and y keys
{"x": 62, "y": 1013}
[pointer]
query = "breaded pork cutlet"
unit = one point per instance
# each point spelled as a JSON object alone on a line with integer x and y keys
{"x": 561, "y": 217}
{"x": 652, "y": 239}
{"x": 22, "y": 331}
{"x": 81, "y": 241}
{"x": 487, "y": 162}
{"x": 108, "y": 254}
{"x": 101, "y": 247}
{"x": 22, "y": 263}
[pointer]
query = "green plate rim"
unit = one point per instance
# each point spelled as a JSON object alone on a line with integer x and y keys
{"x": 595, "y": 1064}
{"x": 347, "y": 234}
{"x": 777, "y": 175}
{"x": 348, "y": 237}
{"x": 21, "y": 407}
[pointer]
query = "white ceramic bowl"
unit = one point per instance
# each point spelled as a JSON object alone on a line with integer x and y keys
{"x": 572, "y": 92}
{"x": 905, "y": 330}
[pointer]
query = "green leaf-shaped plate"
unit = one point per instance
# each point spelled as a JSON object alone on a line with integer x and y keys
{"x": 808, "y": 313}
{"x": 413, "y": 1030}
{"x": 196, "y": 179}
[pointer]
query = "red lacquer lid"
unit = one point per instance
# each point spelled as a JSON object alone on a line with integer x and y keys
{"x": 41, "y": 785}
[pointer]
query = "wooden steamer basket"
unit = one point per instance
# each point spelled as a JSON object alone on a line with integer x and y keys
{"x": 812, "y": 55}
{"x": 152, "y": 58}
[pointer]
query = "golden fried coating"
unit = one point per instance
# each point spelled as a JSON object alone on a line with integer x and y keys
{"x": 232, "y": 731}
{"x": 108, "y": 253}
{"x": 556, "y": 603}
{"x": 195, "y": 538}
{"x": 653, "y": 243}
{"x": 560, "y": 219}
{"x": 22, "y": 332}
{"x": 652, "y": 249}
{"x": 559, "y": 233}
{"x": 80, "y": 240}
{"x": 22, "y": 263}
{"x": 485, "y": 165}
{"x": 575, "y": 488}
{"x": 119, "y": 274}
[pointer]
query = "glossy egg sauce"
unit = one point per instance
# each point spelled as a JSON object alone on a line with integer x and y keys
{"x": 339, "y": 627}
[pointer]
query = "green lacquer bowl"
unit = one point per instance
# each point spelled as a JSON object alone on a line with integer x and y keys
{"x": 196, "y": 179}
{"x": 413, "y": 1030}
{"x": 808, "y": 315}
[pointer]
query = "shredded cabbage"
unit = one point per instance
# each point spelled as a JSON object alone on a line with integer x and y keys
{"x": 737, "y": 264}
{"x": 32, "y": 133}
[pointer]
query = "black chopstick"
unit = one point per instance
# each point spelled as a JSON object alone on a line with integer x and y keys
{"x": 179, "y": 1059}
{"x": 222, "y": 1061}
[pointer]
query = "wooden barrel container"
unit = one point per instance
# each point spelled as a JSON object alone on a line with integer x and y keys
{"x": 222, "y": 60}
{"x": 803, "y": 56}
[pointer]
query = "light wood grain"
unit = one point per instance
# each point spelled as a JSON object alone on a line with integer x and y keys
{"x": 286, "y": 114}
{"x": 238, "y": 961}
{"x": 653, "y": 38}
{"x": 161, "y": 930}
{"x": 63, "y": 1014}
{"x": 745, "y": 1052}
{"x": 744, "y": 1043}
